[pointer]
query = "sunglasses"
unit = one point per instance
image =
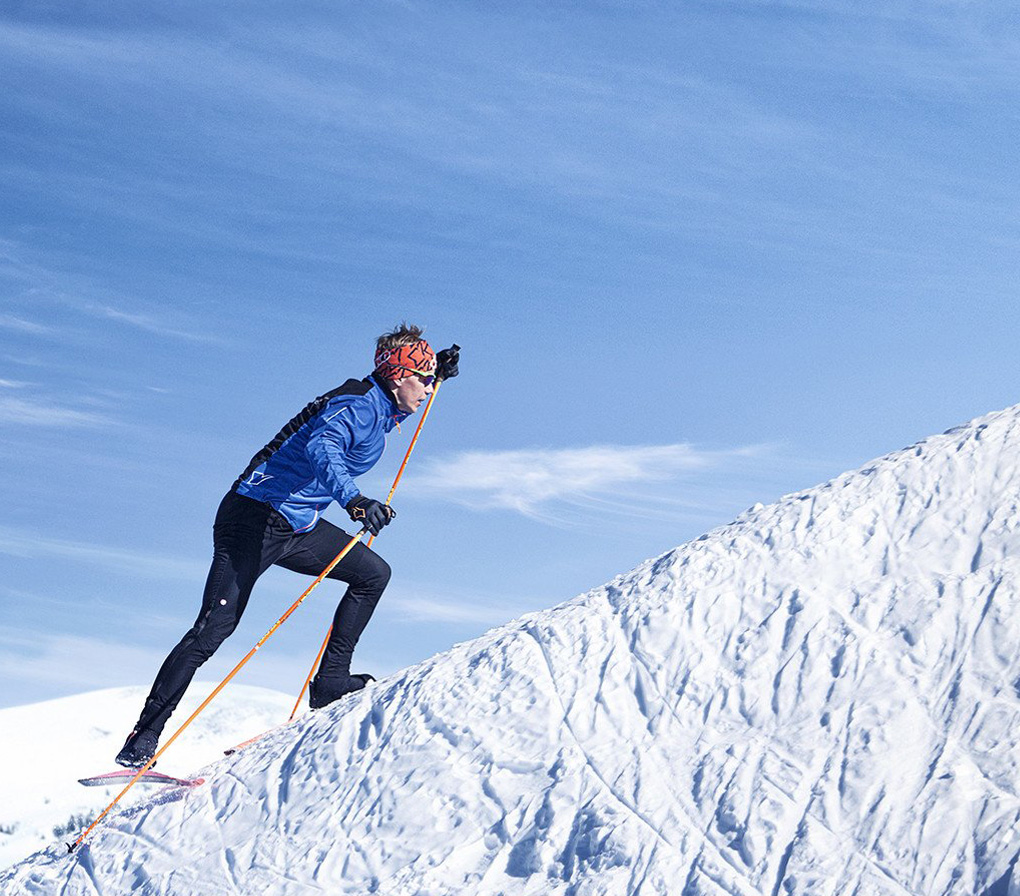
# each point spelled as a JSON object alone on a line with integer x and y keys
{"x": 427, "y": 378}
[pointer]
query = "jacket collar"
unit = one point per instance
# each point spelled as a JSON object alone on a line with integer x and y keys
{"x": 387, "y": 390}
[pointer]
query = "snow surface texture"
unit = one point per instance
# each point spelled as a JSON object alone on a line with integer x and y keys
{"x": 819, "y": 698}
{"x": 46, "y": 747}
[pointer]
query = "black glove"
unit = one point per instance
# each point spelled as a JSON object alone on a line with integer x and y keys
{"x": 446, "y": 362}
{"x": 370, "y": 513}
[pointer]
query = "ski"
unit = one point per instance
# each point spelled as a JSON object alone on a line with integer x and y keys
{"x": 122, "y": 776}
{"x": 230, "y": 751}
{"x": 238, "y": 747}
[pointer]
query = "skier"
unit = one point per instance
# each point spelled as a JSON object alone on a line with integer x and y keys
{"x": 273, "y": 515}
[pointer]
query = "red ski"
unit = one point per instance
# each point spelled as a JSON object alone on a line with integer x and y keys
{"x": 122, "y": 776}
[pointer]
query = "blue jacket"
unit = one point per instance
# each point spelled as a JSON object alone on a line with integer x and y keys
{"x": 313, "y": 459}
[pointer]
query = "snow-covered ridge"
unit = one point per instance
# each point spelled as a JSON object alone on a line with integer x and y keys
{"x": 819, "y": 698}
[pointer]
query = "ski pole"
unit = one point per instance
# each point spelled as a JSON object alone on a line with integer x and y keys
{"x": 389, "y": 497}
{"x": 354, "y": 540}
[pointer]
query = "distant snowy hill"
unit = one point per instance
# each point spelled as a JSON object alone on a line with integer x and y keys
{"x": 45, "y": 747}
{"x": 820, "y": 698}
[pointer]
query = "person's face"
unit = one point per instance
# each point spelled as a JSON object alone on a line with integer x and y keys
{"x": 410, "y": 391}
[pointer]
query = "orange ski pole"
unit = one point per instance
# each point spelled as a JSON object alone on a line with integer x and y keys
{"x": 389, "y": 497}
{"x": 354, "y": 540}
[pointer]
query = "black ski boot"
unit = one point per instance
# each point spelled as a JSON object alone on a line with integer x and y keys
{"x": 322, "y": 693}
{"x": 138, "y": 749}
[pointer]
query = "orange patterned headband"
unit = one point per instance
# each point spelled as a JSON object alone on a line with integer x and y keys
{"x": 403, "y": 360}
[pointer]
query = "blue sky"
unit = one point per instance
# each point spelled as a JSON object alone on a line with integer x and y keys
{"x": 698, "y": 255}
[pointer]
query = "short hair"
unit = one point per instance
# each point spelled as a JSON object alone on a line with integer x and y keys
{"x": 405, "y": 334}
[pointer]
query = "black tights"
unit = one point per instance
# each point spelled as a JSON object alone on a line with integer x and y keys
{"x": 248, "y": 538}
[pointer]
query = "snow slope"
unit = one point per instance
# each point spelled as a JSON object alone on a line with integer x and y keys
{"x": 45, "y": 747}
{"x": 819, "y": 698}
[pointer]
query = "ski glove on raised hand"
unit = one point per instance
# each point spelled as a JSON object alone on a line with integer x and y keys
{"x": 370, "y": 513}
{"x": 446, "y": 362}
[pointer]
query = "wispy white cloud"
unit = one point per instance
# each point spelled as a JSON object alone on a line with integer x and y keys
{"x": 38, "y": 664}
{"x": 10, "y": 322}
{"x": 47, "y": 282}
{"x": 529, "y": 481}
{"x": 426, "y": 608}
{"x": 36, "y": 412}
{"x": 146, "y": 322}
{"x": 533, "y": 130}
{"x": 18, "y": 543}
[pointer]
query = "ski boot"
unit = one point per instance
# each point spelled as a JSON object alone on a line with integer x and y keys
{"x": 322, "y": 693}
{"x": 138, "y": 749}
